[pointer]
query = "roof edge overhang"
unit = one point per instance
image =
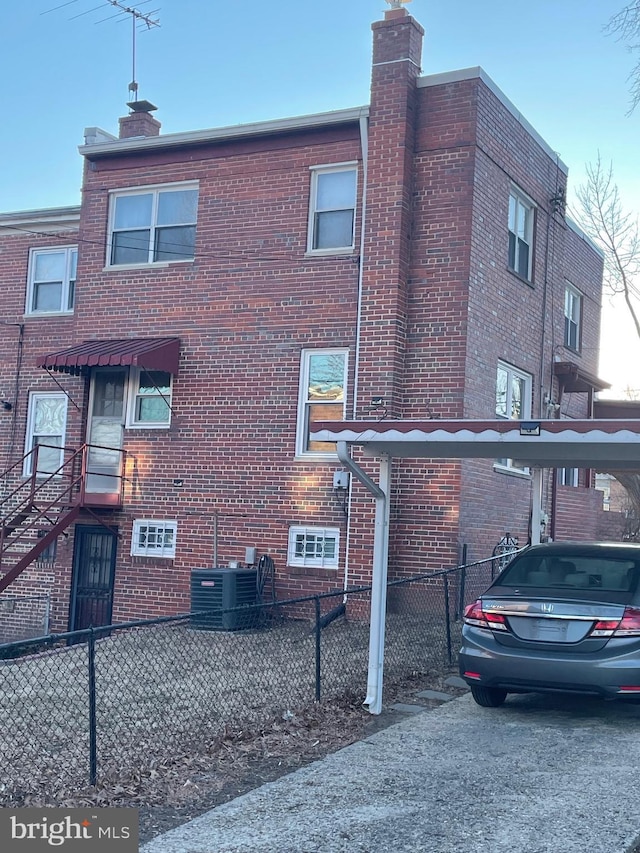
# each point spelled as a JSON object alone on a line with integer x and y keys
{"x": 574, "y": 378}
{"x": 223, "y": 134}
{"x": 147, "y": 353}
{"x": 599, "y": 444}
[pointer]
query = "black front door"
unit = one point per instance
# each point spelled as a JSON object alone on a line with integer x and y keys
{"x": 94, "y": 563}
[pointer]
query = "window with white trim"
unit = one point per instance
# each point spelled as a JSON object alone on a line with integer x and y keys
{"x": 568, "y": 477}
{"x": 154, "y": 538}
{"x": 322, "y": 397}
{"x": 52, "y": 280}
{"x": 149, "y": 398}
{"x": 332, "y": 209}
{"x": 153, "y": 225}
{"x": 572, "y": 317}
{"x": 513, "y": 401}
{"x": 521, "y": 218}
{"x": 45, "y": 436}
{"x": 315, "y": 547}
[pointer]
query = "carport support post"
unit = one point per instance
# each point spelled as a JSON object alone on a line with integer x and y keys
{"x": 373, "y": 702}
{"x": 536, "y": 506}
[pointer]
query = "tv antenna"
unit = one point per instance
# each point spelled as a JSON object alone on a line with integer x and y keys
{"x": 137, "y": 18}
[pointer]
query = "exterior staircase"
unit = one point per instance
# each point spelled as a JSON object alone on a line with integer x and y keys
{"x": 36, "y": 507}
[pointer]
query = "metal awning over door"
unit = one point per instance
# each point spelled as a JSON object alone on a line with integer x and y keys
{"x": 147, "y": 353}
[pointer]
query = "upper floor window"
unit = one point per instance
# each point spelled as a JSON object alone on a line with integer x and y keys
{"x": 521, "y": 216}
{"x": 52, "y": 280}
{"x": 572, "y": 317}
{"x": 332, "y": 208}
{"x": 153, "y": 225}
{"x": 323, "y": 393}
{"x": 513, "y": 401}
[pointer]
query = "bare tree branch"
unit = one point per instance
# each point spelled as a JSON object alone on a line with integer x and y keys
{"x": 626, "y": 27}
{"x": 603, "y": 218}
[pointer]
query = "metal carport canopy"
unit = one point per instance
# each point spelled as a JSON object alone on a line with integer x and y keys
{"x": 602, "y": 445}
{"x": 598, "y": 444}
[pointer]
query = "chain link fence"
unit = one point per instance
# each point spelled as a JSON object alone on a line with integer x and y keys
{"x": 95, "y": 704}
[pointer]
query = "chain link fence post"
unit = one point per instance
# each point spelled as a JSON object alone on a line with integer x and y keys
{"x": 91, "y": 660}
{"x": 318, "y": 647}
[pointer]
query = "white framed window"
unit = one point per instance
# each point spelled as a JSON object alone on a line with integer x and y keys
{"x": 316, "y": 547}
{"x": 45, "y": 435}
{"x": 521, "y": 219}
{"x": 572, "y": 317}
{"x": 153, "y": 225}
{"x": 568, "y": 477}
{"x": 149, "y": 398}
{"x": 154, "y": 538}
{"x": 332, "y": 208}
{"x": 52, "y": 280}
{"x": 322, "y": 397}
{"x": 513, "y": 401}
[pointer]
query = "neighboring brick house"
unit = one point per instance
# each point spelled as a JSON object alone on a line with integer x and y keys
{"x": 409, "y": 259}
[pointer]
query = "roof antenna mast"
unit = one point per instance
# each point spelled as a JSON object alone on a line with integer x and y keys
{"x": 136, "y": 17}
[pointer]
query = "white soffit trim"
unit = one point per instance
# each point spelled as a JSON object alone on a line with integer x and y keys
{"x": 220, "y": 134}
{"x": 47, "y": 219}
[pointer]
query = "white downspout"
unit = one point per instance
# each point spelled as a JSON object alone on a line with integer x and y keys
{"x": 536, "y": 505}
{"x": 364, "y": 147}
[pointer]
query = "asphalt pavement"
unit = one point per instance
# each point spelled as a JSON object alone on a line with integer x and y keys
{"x": 542, "y": 774}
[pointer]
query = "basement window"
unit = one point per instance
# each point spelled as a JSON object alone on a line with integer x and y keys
{"x": 154, "y": 538}
{"x": 314, "y": 547}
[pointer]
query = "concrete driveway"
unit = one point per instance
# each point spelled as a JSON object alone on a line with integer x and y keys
{"x": 542, "y": 774}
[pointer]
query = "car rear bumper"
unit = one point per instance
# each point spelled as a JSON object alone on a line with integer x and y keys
{"x": 484, "y": 661}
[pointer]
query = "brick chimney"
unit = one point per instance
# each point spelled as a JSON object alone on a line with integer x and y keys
{"x": 397, "y": 50}
{"x": 139, "y": 122}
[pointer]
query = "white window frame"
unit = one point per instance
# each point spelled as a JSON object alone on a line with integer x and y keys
{"x": 316, "y": 172}
{"x": 160, "y": 527}
{"x": 314, "y": 537}
{"x": 67, "y": 294}
{"x": 568, "y": 477}
{"x": 302, "y": 428}
{"x": 34, "y": 398}
{"x": 155, "y": 190}
{"x": 573, "y": 304}
{"x": 518, "y": 202}
{"x": 514, "y": 373}
{"x": 132, "y": 385}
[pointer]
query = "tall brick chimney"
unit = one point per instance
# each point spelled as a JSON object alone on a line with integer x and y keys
{"x": 139, "y": 122}
{"x": 397, "y": 50}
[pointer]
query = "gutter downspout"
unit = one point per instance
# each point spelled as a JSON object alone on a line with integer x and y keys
{"x": 364, "y": 147}
{"x": 373, "y": 700}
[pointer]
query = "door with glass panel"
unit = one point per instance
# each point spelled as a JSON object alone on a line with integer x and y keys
{"x": 106, "y": 430}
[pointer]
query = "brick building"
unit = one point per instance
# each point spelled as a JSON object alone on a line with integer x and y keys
{"x": 219, "y": 291}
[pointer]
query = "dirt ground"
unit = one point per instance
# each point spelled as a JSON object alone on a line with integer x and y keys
{"x": 176, "y": 789}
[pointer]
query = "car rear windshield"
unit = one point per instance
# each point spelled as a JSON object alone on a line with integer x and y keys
{"x": 579, "y": 572}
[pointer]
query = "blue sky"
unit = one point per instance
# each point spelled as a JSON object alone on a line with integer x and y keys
{"x": 218, "y": 62}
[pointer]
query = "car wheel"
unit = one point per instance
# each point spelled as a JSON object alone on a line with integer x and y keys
{"x": 488, "y": 697}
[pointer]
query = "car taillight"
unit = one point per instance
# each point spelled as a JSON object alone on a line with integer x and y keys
{"x": 628, "y": 626}
{"x": 475, "y": 615}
